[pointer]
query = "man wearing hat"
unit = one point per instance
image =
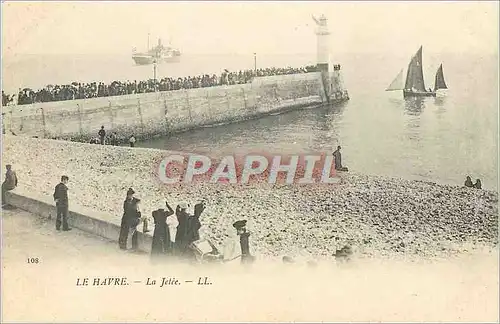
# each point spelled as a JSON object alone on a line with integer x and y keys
{"x": 239, "y": 246}
{"x": 102, "y": 135}
{"x": 61, "y": 198}
{"x": 130, "y": 220}
{"x": 9, "y": 183}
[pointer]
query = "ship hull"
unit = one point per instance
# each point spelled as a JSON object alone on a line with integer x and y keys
{"x": 413, "y": 94}
{"x": 148, "y": 60}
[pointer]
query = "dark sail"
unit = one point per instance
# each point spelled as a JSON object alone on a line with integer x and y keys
{"x": 415, "y": 74}
{"x": 439, "y": 82}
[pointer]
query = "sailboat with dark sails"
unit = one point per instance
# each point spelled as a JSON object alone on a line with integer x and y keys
{"x": 414, "y": 85}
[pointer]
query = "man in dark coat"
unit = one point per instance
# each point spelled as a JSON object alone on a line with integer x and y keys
{"x": 241, "y": 230}
{"x": 9, "y": 183}
{"x": 194, "y": 223}
{"x": 130, "y": 220}
{"x": 182, "y": 228}
{"x": 468, "y": 182}
{"x": 161, "y": 236}
{"x": 239, "y": 246}
{"x": 62, "y": 204}
{"x": 102, "y": 135}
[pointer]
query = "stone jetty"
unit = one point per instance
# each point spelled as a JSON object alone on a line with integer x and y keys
{"x": 377, "y": 216}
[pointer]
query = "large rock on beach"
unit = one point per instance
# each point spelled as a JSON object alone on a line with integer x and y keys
{"x": 376, "y": 215}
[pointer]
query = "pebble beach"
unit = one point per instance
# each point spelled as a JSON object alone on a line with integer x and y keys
{"x": 377, "y": 216}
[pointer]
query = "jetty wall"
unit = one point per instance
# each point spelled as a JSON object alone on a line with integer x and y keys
{"x": 85, "y": 219}
{"x": 159, "y": 113}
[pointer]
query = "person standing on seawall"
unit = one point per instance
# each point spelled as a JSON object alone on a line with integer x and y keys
{"x": 132, "y": 141}
{"x": 9, "y": 183}
{"x": 102, "y": 135}
{"x": 62, "y": 205}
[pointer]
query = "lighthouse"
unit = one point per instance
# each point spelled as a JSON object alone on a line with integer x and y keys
{"x": 323, "y": 40}
{"x": 332, "y": 80}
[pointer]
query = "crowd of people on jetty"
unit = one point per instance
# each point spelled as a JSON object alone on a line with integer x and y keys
{"x": 78, "y": 90}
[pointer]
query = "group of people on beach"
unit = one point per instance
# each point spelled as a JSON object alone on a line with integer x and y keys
{"x": 78, "y": 90}
{"x": 468, "y": 183}
{"x": 110, "y": 139}
{"x": 176, "y": 233}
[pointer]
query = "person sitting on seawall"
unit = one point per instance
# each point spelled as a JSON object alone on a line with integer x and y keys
{"x": 468, "y": 182}
{"x": 338, "y": 160}
{"x": 10, "y": 183}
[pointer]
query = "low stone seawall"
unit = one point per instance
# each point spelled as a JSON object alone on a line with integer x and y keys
{"x": 85, "y": 219}
{"x": 378, "y": 215}
{"x": 158, "y": 113}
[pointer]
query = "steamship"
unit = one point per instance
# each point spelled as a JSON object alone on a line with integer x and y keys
{"x": 158, "y": 54}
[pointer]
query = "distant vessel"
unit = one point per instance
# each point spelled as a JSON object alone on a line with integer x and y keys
{"x": 414, "y": 85}
{"x": 157, "y": 54}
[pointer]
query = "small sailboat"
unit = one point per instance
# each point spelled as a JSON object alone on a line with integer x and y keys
{"x": 414, "y": 85}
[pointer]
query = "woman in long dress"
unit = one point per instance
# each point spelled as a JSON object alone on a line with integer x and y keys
{"x": 161, "y": 236}
{"x": 172, "y": 224}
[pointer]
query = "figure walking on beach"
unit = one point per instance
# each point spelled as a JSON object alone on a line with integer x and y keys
{"x": 338, "y": 160}
{"x": 62, "y": 204}
{"x": 10, "y": 182}
{"x": 114, "y": 139}
{"x": 131, "y": 140}
{"x": 102, "y": 135}
{"x": 130, "y": 220}
{"x": 161, "y": 235}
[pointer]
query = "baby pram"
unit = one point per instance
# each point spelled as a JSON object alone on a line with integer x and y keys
{"x": 205, "y": 251}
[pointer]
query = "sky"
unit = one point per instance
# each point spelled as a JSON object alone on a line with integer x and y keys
{"x": 247, "y": 27}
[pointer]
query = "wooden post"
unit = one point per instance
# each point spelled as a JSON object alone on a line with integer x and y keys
{"x": 227, "y": 99}
{"x": 10, "y": 121}
{"x": 110, "y": 107}
{"x": 140, "y": 113}
{"x": 244, "y": 97}
{"x": 165, "y": 116}
{"x": 80, "y": 117}
{"x": 44, "y": 123}
{"x": 208, "y": 103}
{"x": 188, "y": 106}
